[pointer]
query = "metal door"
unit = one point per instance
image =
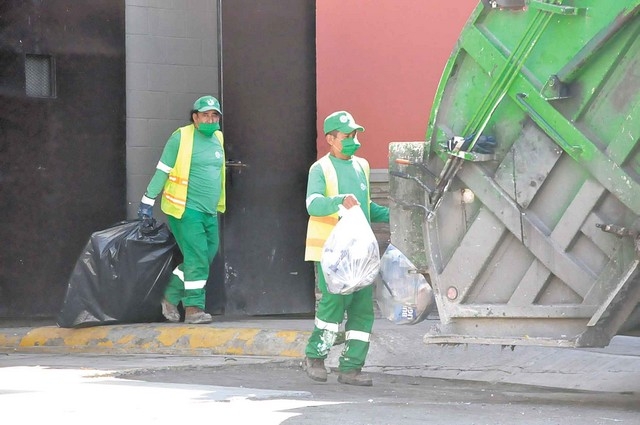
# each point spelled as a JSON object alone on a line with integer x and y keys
{"x": 268, "y": 101}
{"x": 537, "y": 243}
{"x": 62, "y": 149}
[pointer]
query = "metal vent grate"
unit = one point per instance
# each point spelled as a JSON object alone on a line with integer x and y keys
{"x": 39, "y": 76}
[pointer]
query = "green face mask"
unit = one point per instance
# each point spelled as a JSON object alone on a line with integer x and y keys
{"x": 349, "y": 146}
{"x": 208, "y": 128}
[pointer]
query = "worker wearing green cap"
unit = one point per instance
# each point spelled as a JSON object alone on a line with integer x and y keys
{"x": 191, "y": 177}
{"x": 339, "y": 178}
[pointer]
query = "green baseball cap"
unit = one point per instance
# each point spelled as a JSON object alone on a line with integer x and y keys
{"x": 207, "y": 103}
{"x": 341, "y": 121}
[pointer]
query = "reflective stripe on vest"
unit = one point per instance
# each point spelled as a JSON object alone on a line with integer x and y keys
{"x": 319, "y": 228}
{"x": 174, "y": 195}
{"x": 222, "y": 202}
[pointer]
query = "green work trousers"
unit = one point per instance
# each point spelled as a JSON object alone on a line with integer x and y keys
{"x": 197, "y": 235}
{"x": 329, "y": 315}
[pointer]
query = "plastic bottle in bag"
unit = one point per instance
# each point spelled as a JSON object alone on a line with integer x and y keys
{"x": 403, "y": 295}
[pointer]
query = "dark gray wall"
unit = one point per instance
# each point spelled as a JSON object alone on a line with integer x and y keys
{"x": 62, "y": 149}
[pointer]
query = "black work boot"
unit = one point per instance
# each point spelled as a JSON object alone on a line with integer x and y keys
{"x": 355, "y": 377}
{"x": 196, "y": 315}
{"x": 315, "y": 369}
{"x": 170, "y": 311}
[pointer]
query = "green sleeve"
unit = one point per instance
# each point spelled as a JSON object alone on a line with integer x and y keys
{"x": 317, "y": 203}
{"x": 168, "y": 159}
{"x": 379, "y": 213}
{"x": 156, "y": 184}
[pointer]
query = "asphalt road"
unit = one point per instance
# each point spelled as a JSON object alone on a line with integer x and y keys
{"x": 155, "y": 389}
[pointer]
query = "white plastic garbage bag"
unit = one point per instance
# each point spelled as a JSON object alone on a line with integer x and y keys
{"x": 350, "y": 256}
{"x": 403, "y": 295}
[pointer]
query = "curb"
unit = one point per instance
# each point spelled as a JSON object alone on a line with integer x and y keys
{"x": 11, "y": 339}
{"x": 159, "y": 339}
{"x": 615, "y": 368}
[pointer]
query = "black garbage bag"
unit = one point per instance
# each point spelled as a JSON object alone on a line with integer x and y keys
{"x": 121, "y": 275}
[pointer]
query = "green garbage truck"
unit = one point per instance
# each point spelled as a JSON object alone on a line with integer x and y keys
{"x": 522, "y": 205}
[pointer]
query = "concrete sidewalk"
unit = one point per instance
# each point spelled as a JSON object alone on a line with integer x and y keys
{"x": 395, "y": 349}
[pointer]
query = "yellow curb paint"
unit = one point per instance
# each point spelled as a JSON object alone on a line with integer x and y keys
{"x": 288, "y": 336}
{"x": 166, "y": 339}
{"x": 192, "y": 337}
{"x": 50, "y": 335}
{"x": 127, "y": 339}
{"x": 217, "y": 338}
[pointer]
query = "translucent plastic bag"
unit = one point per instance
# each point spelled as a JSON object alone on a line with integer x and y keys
{"x": 350, "y": 256}
{"x": 403, "y": 296}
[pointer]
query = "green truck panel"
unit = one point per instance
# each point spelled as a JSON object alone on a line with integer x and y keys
{"x": 534, "y": 241}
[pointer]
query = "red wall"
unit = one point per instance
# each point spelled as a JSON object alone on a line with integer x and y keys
{"x": 382, "y": 60}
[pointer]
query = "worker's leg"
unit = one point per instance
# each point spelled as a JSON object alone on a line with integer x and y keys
{"x": 329, "y": 315}
{"x": 358, "y": 329}
{"x": 191, "y": 236}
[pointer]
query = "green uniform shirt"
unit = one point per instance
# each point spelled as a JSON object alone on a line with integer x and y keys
{"x": 351, "y": 180}
{"x": 205, "y": 173}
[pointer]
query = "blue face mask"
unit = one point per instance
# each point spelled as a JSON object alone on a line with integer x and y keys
{"x": 349, "y": 146}
{"x": 208, "y": 128}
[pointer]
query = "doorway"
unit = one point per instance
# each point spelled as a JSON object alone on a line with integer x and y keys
{"x": 269, "y": 106}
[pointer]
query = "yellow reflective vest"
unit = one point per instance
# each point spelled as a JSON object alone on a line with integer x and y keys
{"x": 319, "y": 228}
{"x": 174, "y": 195}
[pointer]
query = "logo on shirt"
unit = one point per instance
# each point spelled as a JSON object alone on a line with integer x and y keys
{"x": 218, "y": 155}
{"x": 363, "y": 187}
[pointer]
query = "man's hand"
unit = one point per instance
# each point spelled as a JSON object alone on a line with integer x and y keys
{"x": 350, "y": 201}
{"x": 146, "y": 208}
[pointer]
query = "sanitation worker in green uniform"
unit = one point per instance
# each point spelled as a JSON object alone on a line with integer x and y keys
{"x": 191, "y": 178}
{"x": 339, "y": 178}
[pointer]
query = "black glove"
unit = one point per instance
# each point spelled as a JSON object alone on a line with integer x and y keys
{"x": 145, "y": 210}
{"x": 484, "y": 144}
